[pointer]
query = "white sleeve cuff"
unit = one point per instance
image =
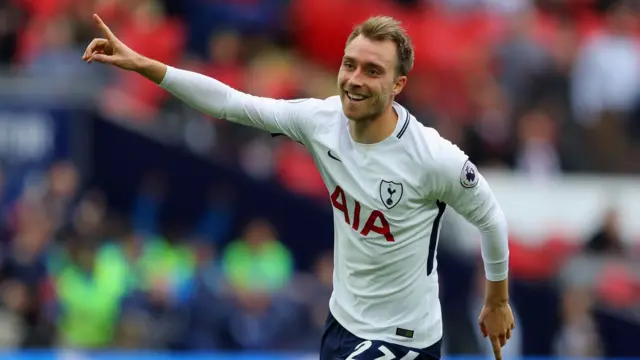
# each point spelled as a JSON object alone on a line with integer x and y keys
{"x": 495, "y": 248}
{"x": 166, "y": 80}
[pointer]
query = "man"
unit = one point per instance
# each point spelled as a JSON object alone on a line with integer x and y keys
{"x": 390, "y": 180}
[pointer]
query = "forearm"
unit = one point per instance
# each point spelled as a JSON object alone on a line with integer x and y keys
{"x": 495, "y": 247}
{"x": 495, "y": 255}
{"x": 151, "y": 69}
{"x": 219, "y": 100}
{"x": 201, "y": 92}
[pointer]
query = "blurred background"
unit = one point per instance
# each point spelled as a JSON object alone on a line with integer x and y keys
{"x": 130, "y": 222}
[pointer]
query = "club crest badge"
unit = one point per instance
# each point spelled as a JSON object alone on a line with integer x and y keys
{"x": 390, "y": 193}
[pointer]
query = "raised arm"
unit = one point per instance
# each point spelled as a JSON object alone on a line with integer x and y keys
{"x": 207, "y": 94}
{"x": 289, "y": 117}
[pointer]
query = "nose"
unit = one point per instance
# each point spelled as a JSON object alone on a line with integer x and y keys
{"x": 355, "y": 79}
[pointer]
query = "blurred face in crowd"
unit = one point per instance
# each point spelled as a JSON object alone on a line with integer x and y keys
{"x": 324, "y": 269}
{"x": 64, "y": 179}
{"x": 257, "y": 233}
{"x": 623, "y": 17}
{"x": 368, "y": 79}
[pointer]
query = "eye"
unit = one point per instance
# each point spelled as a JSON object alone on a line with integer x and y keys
{"x": 374, "y": 72}
{"x": 348, "y": 65}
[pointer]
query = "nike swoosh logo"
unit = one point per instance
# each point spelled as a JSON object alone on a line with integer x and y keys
{"x": 333, "y": 157}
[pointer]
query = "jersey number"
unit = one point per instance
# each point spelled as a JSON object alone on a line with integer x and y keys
{"x": 386, "y": 353}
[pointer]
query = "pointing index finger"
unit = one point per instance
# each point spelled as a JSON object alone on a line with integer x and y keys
{"x": 102, "y": 26}
{"x": 497, "y": 349}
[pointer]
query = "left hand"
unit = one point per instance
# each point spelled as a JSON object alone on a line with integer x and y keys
{"x": 496, "y": 322}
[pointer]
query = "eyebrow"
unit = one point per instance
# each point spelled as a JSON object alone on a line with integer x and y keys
{"x": 366, "y": 63}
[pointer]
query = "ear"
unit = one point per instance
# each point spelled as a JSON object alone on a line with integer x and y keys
{"x": 401, "y": 81}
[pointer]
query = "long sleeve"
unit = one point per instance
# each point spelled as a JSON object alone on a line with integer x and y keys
{"x": 288, "y": 117}
{"x": 463, "y": 188}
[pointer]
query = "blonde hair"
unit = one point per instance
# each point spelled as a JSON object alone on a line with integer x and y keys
{"x": 383, "y": 28}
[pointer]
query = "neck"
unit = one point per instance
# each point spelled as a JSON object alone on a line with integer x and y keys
{"x": 371, "y": 131}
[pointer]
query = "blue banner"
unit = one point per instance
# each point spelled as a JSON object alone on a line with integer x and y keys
{"x": 31, "y": 138}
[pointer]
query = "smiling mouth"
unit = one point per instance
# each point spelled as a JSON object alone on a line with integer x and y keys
{"x": 355, "y": 97}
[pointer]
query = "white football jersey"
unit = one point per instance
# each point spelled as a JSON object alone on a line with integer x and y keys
{"x": 388, "y": 201}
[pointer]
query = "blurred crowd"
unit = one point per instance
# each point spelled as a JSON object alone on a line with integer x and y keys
{"x": 540, "y": 87}
{"x": 74, "y": 275}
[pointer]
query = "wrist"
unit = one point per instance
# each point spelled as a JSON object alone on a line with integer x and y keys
{"x": 496, "y": 302}
{"x": 149, "y": 68}
{"x": 497, "y": 293}
{"x": 141, "y": 63}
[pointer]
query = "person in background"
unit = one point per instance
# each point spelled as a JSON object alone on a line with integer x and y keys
{"x": 24, "y": 274}
{"x": 257, "y": 260}
{"x": 160, "y": 287}
{"x": 215, "y": 224}
{"x": 580, "y": 279}
{"x": 147, "y": 204}
{"x": 313, "y": 292}
{"x": 90, "y": 284}
{"x": 210, "y": 301}
{"x": 258, "y": 268}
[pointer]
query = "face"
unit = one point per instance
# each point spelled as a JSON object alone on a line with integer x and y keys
{"x": 368, "y": 80}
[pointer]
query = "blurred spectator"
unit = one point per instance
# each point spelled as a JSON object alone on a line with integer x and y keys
{"x": 607, "y": 72}
{"x": 314, "y": 291}
{"x": 56, "y": 193}
{"x": 225, "y": 57}
{"x": 89, "y": 284}
{"x": 538, "y": 155}
{"x": 55, "y": 54}
{"x": 24, "y": 275}
{"x": 210, "y": 301}
{"x": 258, "y": 268}
{"x": 90, "y": 214}
{"x": 147, "y": 204}
{"x": 581, "y": 277}
{"x": 11, "y": 20}
{"x": 257, "y": 261}
{"x": 215, "y": 224}
{"x": 261, "y": 321}
{"x": 578, "y": 336}
{"x": 159, "y": 288}
{"x": 134, "y": 95}
{"x": 488, "y": 136}
{"x": 519, "y": 56}
{"x": 606, "y": 83}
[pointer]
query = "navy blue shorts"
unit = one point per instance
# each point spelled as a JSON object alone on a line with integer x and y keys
{"x": 339, "y": 344}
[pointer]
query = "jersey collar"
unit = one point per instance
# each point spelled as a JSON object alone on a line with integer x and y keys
{"x": 403, "y": 120}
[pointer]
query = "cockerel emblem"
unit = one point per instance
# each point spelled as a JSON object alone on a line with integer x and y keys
{"x": 390, "y": 193}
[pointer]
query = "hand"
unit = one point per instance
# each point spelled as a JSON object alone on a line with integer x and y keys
{"x": 496, "y": 322}
{"x": 110, "y": 50}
